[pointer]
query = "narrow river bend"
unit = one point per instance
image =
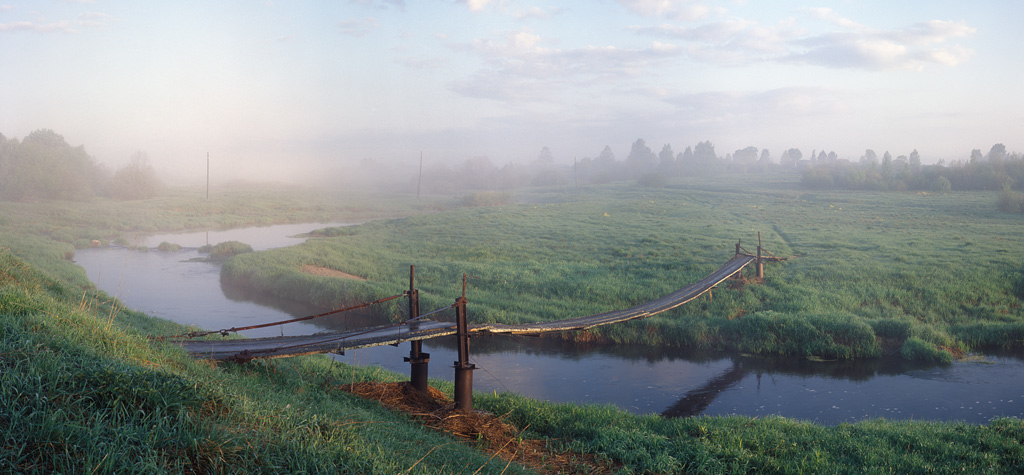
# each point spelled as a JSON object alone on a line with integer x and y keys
{"x": 642, "y": 380}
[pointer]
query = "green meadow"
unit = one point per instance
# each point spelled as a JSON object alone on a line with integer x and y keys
{"x": 931, "y": 276}
{"x": 83, "y": 390}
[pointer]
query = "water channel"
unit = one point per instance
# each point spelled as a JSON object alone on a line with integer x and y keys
{"x": 642, "y": 380}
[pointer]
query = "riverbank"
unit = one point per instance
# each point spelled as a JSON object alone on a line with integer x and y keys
{"x": 930, "y": 277}
{"x": 83, "y": 390}
{"x": 78, "y": 367}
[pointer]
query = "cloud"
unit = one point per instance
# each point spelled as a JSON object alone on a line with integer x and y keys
{"x": 381, "y": 4}
{"x": 685, "y": 10}
{"x": 55, "y": 27}
{"x": 93, "y": 20}
{"x": 849, "y": 44}
{"x": 476, "y": 5}
{"x": 357, "y": 27}
{"x": 910, "y": 48}
{"x": 536, "y": 13}
{"x": 520, "y": 66}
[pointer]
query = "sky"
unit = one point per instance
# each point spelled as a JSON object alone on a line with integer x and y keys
{"x": 272, "y": 89}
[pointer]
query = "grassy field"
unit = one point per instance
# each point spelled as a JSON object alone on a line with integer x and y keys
{"x": 82, "y": 390}
{"x": 930, "y": 275}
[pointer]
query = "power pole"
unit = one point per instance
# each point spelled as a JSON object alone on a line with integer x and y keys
{"x": 420, "y": 180}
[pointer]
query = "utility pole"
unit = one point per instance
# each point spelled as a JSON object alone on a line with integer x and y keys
{"x": 420, "y": 181}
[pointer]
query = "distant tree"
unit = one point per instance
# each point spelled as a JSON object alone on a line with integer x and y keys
{"x": 43, "y": 166}
{"x": 606, "y": 156}
{"x": 641, "y": 159}
{"x": 545, "y": 156}
{"x": 766, "y": 157}
{"x": 666, "y": 155}
{"x": 870, "y": 157}
{"x": 942, "y": 185}
{"x": 705, "y": 152}
{"x": 976, "y": 155}
{"x": 745, "y": 155}
{"x": 822, "y": 156}
{"x": 997, "y": 153}
{"x": 686, "y": 156}
{"x": 886, "y": 166}
{"x": 915, "y": 162}
{"x": 667, "y": 160}
{"x": 790, "y": 157}
{"x": 136, "y": 180}
{"x": 832, "y": 156}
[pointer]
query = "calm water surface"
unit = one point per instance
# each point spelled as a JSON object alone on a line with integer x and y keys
{"x": 642, "y": 380}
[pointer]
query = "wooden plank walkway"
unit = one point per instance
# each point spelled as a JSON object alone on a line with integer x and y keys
{"x": 277, "y": 347}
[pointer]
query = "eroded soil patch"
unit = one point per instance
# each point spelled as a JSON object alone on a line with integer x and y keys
{"x": 496, "y": 437}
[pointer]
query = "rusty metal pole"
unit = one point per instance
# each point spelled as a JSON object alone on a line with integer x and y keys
{"x": 463, "y": 368}
{"x": 759, "y": 265}
{"x": 417, "y": 359}
{"x": 738, "y": 275}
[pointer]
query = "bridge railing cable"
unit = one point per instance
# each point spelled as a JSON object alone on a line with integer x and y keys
{"x": 249, "y": 354}
{"x": 225, "y": 331}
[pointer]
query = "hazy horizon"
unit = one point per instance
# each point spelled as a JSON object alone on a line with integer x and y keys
{"x": 272, "y": 91}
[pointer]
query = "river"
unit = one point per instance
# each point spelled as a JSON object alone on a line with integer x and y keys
{"x": 642, "y": 380}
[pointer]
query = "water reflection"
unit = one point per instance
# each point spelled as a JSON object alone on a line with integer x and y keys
{"x": 639, "y": 379}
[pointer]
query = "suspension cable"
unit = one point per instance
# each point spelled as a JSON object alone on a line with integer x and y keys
{"x": 224, "y": 332}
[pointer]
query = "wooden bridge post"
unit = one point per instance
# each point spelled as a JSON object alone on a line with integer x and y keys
{"x": 759, "y": 264}
{"x": 463, "y": 368}
{"x": 417, "y": 359}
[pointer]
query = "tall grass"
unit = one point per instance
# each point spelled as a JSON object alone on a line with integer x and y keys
{"x": 652, "y": 444}
{"x": 81, "y": 392}
{"x": 861, "y": 265}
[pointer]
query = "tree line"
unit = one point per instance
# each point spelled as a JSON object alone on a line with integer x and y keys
{"x": 43, "y": 166}
{"x": 995, "y": 170}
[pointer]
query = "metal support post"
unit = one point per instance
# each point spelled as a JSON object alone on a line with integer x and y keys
{"x": 417, "y": 358}
{"x": 463, "y": 368}
{"x": 759, "y": 264}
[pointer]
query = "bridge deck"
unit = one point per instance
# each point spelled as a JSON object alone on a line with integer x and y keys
{"x": 277, "y": 347}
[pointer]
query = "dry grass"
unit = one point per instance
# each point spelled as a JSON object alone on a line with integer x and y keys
{"x": 492, "y": 434}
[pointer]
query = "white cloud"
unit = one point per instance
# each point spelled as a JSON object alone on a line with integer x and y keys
{"x": 685, "y": 10}
{"x": 56, "y": 27}
{"x": 536, "y": 13}
{"x": 477, "y": 5}
{"x": 381, "y": 4}
{"x": 85, "y": 20}
{"x": 520, "y": 67}
{"x": 851, "y": 45}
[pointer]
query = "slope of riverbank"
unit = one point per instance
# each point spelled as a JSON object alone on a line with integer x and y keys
{"x": 84, "y": 390}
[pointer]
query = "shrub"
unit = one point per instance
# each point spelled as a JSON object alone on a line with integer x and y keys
{"x": 891, "y": 328}
{"x": 653, "y": 180}
{"x": 916, "y": 349}
{"x": 169, "y": 247}
{"x": 229, "y": 248}
{"x": 334, "y": 231}
{"x": 1011, "y": 201}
